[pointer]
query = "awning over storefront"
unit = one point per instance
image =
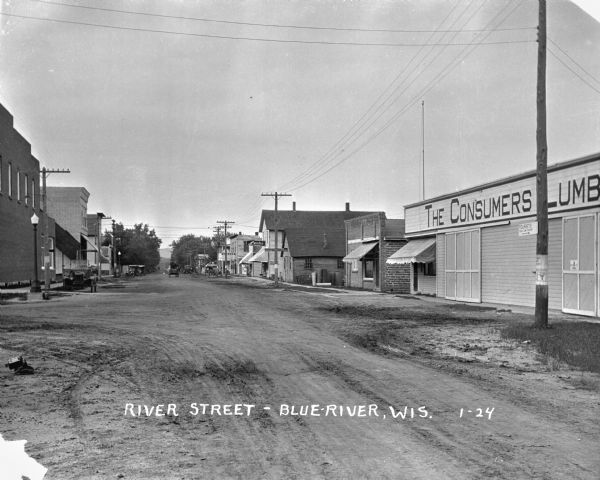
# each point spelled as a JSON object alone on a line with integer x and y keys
{"x": 66, "y": 244}
{"x": 421, "y": 250}
{"x": 245, "y": 258}
{"x": 90, "y": 244}
{"x": 261, "y": 256}
{"x": 359, "y": 252}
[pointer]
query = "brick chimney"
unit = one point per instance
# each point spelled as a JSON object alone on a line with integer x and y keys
{"x": 294, "y": 206}
{"x": 347, "y": 206}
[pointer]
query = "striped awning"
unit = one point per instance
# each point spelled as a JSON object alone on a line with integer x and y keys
{"x": 421, "y": 250}
{"x": 260, "y": 256}
{"x": 359, "y": 252}
{"x": 246, "y": 257}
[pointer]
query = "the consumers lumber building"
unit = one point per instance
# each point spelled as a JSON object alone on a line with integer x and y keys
{"x": 485, "y": 239}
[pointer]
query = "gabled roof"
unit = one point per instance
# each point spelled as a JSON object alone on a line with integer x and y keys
{"x": 66, "y": 243}
{"x": 327, "y": 241}
{"x": 312, "y": 233}
{"x": 306, "y": 218}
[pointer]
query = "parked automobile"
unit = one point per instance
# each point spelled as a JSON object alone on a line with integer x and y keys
{"x": 174, "y": 269}
{"x": 78, "y": 278}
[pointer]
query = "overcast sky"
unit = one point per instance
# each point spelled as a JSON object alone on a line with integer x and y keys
{"x": 183, "y": 113}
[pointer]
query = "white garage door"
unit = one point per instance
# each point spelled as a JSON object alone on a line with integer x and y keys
{"x": 463, "y": 273}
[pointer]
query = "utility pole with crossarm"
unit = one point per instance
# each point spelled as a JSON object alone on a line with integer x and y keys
{"x": 276, "y": 195}
{"x": 46, "y": 245}
{"x": 225, "y": 223}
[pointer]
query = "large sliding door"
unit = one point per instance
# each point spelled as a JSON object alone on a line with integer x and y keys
{"x": 580, "y": 289}
{"x": 463, "y": 272}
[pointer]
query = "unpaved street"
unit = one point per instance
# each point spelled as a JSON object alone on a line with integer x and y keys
{"x": 185, "y": 340}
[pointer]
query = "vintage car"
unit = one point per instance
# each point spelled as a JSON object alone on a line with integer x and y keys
{"x": 174, "y": 269}
{"x": 79, "y": 277}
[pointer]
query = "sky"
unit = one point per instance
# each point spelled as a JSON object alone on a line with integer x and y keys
{"x": 182, "y": 113}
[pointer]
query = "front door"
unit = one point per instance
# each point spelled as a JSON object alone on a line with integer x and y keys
{"x": 579, "y": 265}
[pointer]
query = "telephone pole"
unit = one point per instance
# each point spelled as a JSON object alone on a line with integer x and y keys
{"x": 423, "y": 145}
{"x": 46, "y": 243}
{"x": 276, "y": 195}
{"x": 225, "y": 223}
{"x": 100, "y": 216}
{"x": 541, "y": 251}
{"x": 114, "y": 250}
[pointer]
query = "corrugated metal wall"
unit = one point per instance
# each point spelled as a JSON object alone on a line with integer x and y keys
{"x": 440, "y": 255}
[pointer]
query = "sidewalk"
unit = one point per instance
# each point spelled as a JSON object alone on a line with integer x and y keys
{"x": 24, "y": 294}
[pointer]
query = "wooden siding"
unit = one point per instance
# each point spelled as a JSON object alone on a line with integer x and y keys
{"x": 507, "y": 265}
{"x": 427, "y": 284}
{"x": 555, "y": 263}
{"x": 440, "y": 267}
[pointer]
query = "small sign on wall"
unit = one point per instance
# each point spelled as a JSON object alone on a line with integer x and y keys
{"x": 528, "y": 229}
{"x": 574, "y": 265}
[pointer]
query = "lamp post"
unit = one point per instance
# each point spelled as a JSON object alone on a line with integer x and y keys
{"x": 35, "y": 284}
{"x": 119, "y": 263}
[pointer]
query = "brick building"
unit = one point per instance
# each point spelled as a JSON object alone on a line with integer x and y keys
{"x": 370, "y": 240}
{"x": 19, "y": 200}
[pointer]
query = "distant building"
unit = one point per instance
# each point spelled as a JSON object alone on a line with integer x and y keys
{"x": 308, "y": 242}
{"x": 19, "y": 200}
{"x": 370, "y": 240}
{"x": 97, "y": 255}
{"x": 255, "y": 262}
{"x": 68, "y": 205}
{"x": 239, "y": 248}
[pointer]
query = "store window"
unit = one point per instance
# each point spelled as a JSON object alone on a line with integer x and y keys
{"x": 369, "y": 269}
{"x": 429, "y": 269}
{"x": 308, "y": 264}
{"x": 10, "y": 192}
{"x": 51, "y": 252}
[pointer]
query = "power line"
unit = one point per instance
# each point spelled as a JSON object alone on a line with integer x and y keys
{"x": 255, "y": 39}
{"x": 270, "y": 25}
{"x": 324, "y": 169}
{"x": 358, "y": 124}
{"x": 353, "y": 136}
{"x": 430, "y": 85}
{"x": 573, "y": 60}
{"x": 573, "y": 71}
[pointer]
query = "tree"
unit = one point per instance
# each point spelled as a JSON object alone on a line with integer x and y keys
{"x": 187, "y": 248}
{"x": 138, "y": 245}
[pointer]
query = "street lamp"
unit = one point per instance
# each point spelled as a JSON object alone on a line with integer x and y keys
{"x": 35, "y": 284}
{"x": 119, "y": 263}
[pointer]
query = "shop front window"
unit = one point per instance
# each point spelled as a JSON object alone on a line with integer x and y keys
{"x": 369, "y": 269}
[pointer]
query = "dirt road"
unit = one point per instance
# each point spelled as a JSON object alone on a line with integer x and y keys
{"x": 219, "y": 343}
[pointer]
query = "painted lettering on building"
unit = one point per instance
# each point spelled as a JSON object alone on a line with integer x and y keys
{"x": 569, "y": 188}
